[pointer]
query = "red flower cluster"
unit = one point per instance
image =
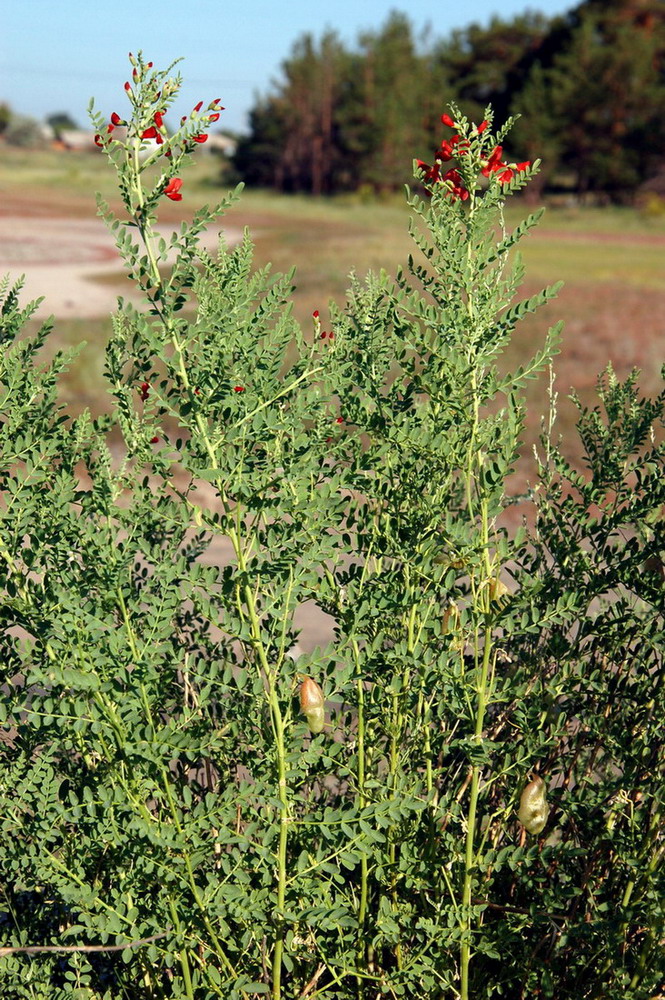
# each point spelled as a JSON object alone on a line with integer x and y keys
{"x": 455, "y": 146}
{"x": 451, "y": 178}
{"x": 458, "y": 146}
{"x": 157, "y": 130}
{"x": 506, "y": 172}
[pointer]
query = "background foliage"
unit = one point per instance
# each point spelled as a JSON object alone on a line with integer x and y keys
{"x": 589, "y": 85}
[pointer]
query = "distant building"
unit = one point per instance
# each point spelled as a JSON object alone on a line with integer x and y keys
{"x": 219, "y": 142}
{"x": 76, "y": 139}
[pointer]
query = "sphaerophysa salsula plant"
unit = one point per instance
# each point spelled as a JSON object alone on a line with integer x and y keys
{"x": 462, "y": 795}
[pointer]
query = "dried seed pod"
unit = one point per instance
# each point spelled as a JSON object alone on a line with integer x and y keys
{"x": 312, "y": 704}
{"x": 451, "y": 618}
{"x": 534, "y": 810}
{"x": 497, "y": 589}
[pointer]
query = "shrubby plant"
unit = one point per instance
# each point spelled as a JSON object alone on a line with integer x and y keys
{"x": 461, "y": 795}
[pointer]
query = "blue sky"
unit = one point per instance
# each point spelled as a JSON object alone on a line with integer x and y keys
{"x": 54, "y": 55}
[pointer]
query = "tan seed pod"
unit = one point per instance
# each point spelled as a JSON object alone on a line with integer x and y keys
{"x": 312, "y": 704}
{"x": 497, "y": 589}
{"x": 316, "y": 719}
{"x": 451, "y": 618}
{"x": 534, "y": 810}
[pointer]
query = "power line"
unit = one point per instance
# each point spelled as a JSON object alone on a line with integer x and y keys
{"x": 97, "y": 75}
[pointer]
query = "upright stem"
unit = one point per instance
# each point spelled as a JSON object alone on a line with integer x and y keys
{"x": 362, "y": 801}
{"x": 184, "y": 960}
{"x": 278, "y": 951}
{"x": 469, "y": 853}
{"x": 477, "y": 509}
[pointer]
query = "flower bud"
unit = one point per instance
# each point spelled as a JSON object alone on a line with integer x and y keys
{"x": 312, "y": 704}
{"x": 534, "y": 810}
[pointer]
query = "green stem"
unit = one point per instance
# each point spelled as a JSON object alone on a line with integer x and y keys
{"x": 469, "y": 854}
{"x": 182, "y": 954}
{"x": 362, "y": 800}
{"x": 278, "y": 951}
{"x": 481, "y": 602}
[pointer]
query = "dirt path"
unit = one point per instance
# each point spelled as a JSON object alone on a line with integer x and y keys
{"x": 62, "y": 257}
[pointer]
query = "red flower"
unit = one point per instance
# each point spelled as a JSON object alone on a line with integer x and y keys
{"x": 116, "y": 119}
{"x": 315, "y": 314}
{"x": 144, "y": 390}
{"x": 505, "y": 171}
{"x": 323, "y": 335}
{"x": 454, "y": 181}
{"x": 200, "y": 138}
{"x": 482, "y": 127}
{"x": 213, "y": 118}
{"x": 447, "y": 120}
{"x": 198, "y": 107}
{"x": 238, "y": 388}
{"x": 154, "y": 440}
{"x": 494, "y": 162}
{"x": 158, "y": 119}
{"x": 150, "y": 133}
{"x": 98, "y": 138}
{"x": 431, "y": 173}
{"x": 340, "y": 420}
{"x": 128, "y": 87}
{"x": 446, "y": 152}
{"x": 172, "y": 189}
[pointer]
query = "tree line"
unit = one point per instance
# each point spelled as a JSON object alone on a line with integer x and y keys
{"x": 589, "y": 87}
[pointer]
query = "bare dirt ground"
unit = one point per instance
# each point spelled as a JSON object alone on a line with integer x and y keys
{"x": 61, "y": 258}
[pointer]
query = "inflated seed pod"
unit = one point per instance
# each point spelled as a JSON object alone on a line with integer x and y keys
{"x": 312, "y": 704}
{"x": 534, "y": 810}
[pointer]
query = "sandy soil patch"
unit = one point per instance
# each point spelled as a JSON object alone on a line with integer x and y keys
{"x": 61, "y": 257}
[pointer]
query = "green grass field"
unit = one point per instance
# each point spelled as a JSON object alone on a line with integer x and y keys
{"x": 610, "y": 259}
